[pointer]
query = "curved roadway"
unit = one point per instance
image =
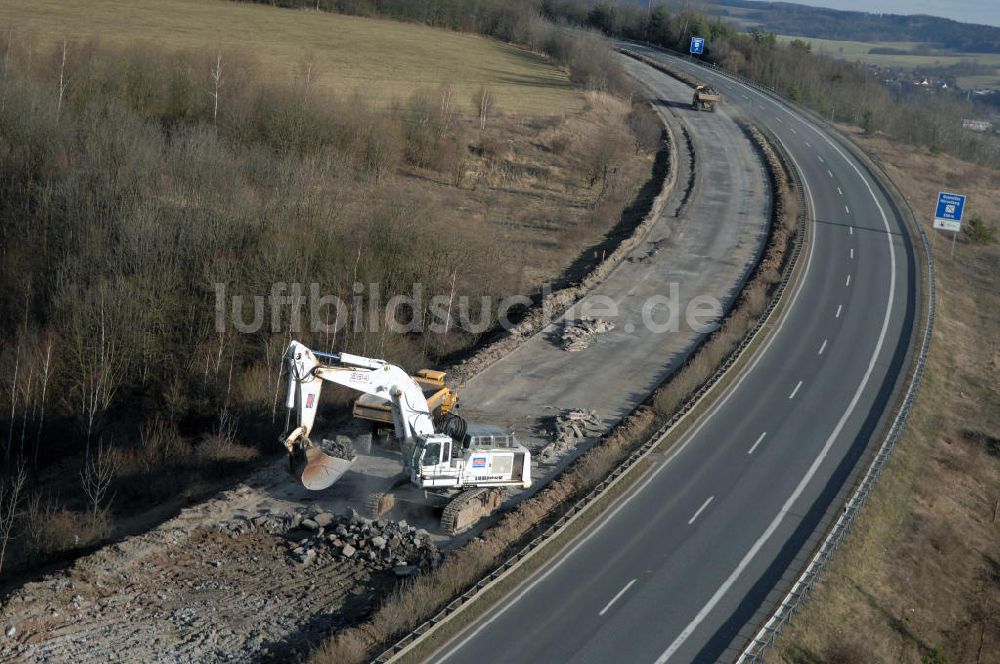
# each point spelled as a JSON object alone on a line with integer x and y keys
{"x": 687, "y": 562}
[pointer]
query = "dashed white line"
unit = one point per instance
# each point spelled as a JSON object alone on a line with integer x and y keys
{"x": 829, "y": 172}
{"x": 852, "y": 252}
{"x": 779, "y": 119}
{"x": 793, "y": 131}
{"x": 839, "y": 191}
{"x": 847, "y": 209}
{"x": 616, "y": 597}
{"x": 795, "y": 391}
{"x": 750, "y": 451}
{"x": 822, "y": 348}
{"x": 821, "y": 159}
{"x": 710, "y": 605}
{"x": 701, "y": 509}
{"x": 839, "y": 307}
{"x": 808, "y": 144}
{"x": 850, "y": 229}
{"x": 848, "y": 281}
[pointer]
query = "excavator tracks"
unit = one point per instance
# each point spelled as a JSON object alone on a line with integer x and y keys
{"x": 469, "y": 507}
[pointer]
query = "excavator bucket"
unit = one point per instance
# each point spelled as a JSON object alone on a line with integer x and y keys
{"x": 318, "y": 470}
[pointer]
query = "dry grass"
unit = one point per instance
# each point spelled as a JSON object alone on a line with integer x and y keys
{"x": 382, "y": 59}
{"x": 921, "y": 570}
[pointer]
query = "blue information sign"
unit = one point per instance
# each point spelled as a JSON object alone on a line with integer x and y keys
{"x": 948, "y": 212}
{"x": 697, "y": 45}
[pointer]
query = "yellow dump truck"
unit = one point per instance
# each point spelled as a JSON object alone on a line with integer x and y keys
{"x": 439, "y": 397}
{"x": 705, "y": 98}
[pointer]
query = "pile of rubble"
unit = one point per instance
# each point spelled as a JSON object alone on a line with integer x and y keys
{"x": 342, "y": 447}
{"x": 577, "y": 335}
{"x": 379, "y": 544}
{"x": 572, "y": 427}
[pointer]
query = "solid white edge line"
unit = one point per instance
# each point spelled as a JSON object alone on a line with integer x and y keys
{"x": 616, "y": 597}
{"x": 701, "y": 509}
{"x": 724, "y": 588}
{"x": 759, "y": 439}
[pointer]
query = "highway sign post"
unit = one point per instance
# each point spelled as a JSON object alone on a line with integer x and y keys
{"x": 948, "y": 214}
{"x": 697, "y": 45}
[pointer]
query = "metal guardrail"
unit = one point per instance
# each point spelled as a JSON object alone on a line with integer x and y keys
{"x": 638, "y": 454}
{"x": 765, "y": 638}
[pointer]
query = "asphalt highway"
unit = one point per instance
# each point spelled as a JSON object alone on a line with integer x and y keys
{"x": 689, "y": 560}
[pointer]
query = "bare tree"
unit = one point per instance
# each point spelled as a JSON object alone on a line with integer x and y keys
{"x": 62, "y": 80}
{"x": 96, "y": 476}
{"x": 11, "y": 490}
{"x": 217, "y": 83}
{"x": 485, "y": 105}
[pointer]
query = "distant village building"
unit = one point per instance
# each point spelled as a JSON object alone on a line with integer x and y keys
{"x": 977, "y": 125}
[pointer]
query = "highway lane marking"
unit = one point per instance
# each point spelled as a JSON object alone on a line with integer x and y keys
{"x": 779, "y": 119}
{"x": 795, "y": 391}
{"x": 750, "y": 451}
{"x": 616, "y": 597}
{"x": 823, "y": 347}
{"x": 847, "y": 209}
{"x": 839, "y": 308}
{"x": 829, "y": 172}
{"x": 820, "y": 157}
{"x": 848, "y": 281}
{"x": 839, "y": 191}
{"x": 852, "y": 252}
{"x": 808, "y": 144}
{"x": 793, "y": 131}
{"x": 850, "y": 230}
{"x": 701, "y": 509}
{"x": 807, "y": 478}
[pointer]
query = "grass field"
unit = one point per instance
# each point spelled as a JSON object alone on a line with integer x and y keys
{"x": 853, "y": 50}
{"x": 383, "y": 59}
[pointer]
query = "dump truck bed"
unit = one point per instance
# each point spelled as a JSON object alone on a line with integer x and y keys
{"x": 439, "y": 397}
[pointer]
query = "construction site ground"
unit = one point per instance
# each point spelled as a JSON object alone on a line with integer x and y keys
{"x": 239, "y": 578}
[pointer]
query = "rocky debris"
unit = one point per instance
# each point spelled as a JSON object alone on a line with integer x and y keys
{"x": 577, "y": 335}
{"x": 10, "y": 632}
{"x": 572, "y": 427}
{"x": 381, "y": 544}
{"x": 342, "y": 447}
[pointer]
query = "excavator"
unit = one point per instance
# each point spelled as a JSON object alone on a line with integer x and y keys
{"x": 462, "y": 468}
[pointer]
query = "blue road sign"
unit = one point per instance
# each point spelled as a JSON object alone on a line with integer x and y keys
{"x": 697, "y": 45}
{"x": 950, "y": 207}
{"x": 948, "y": 213}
